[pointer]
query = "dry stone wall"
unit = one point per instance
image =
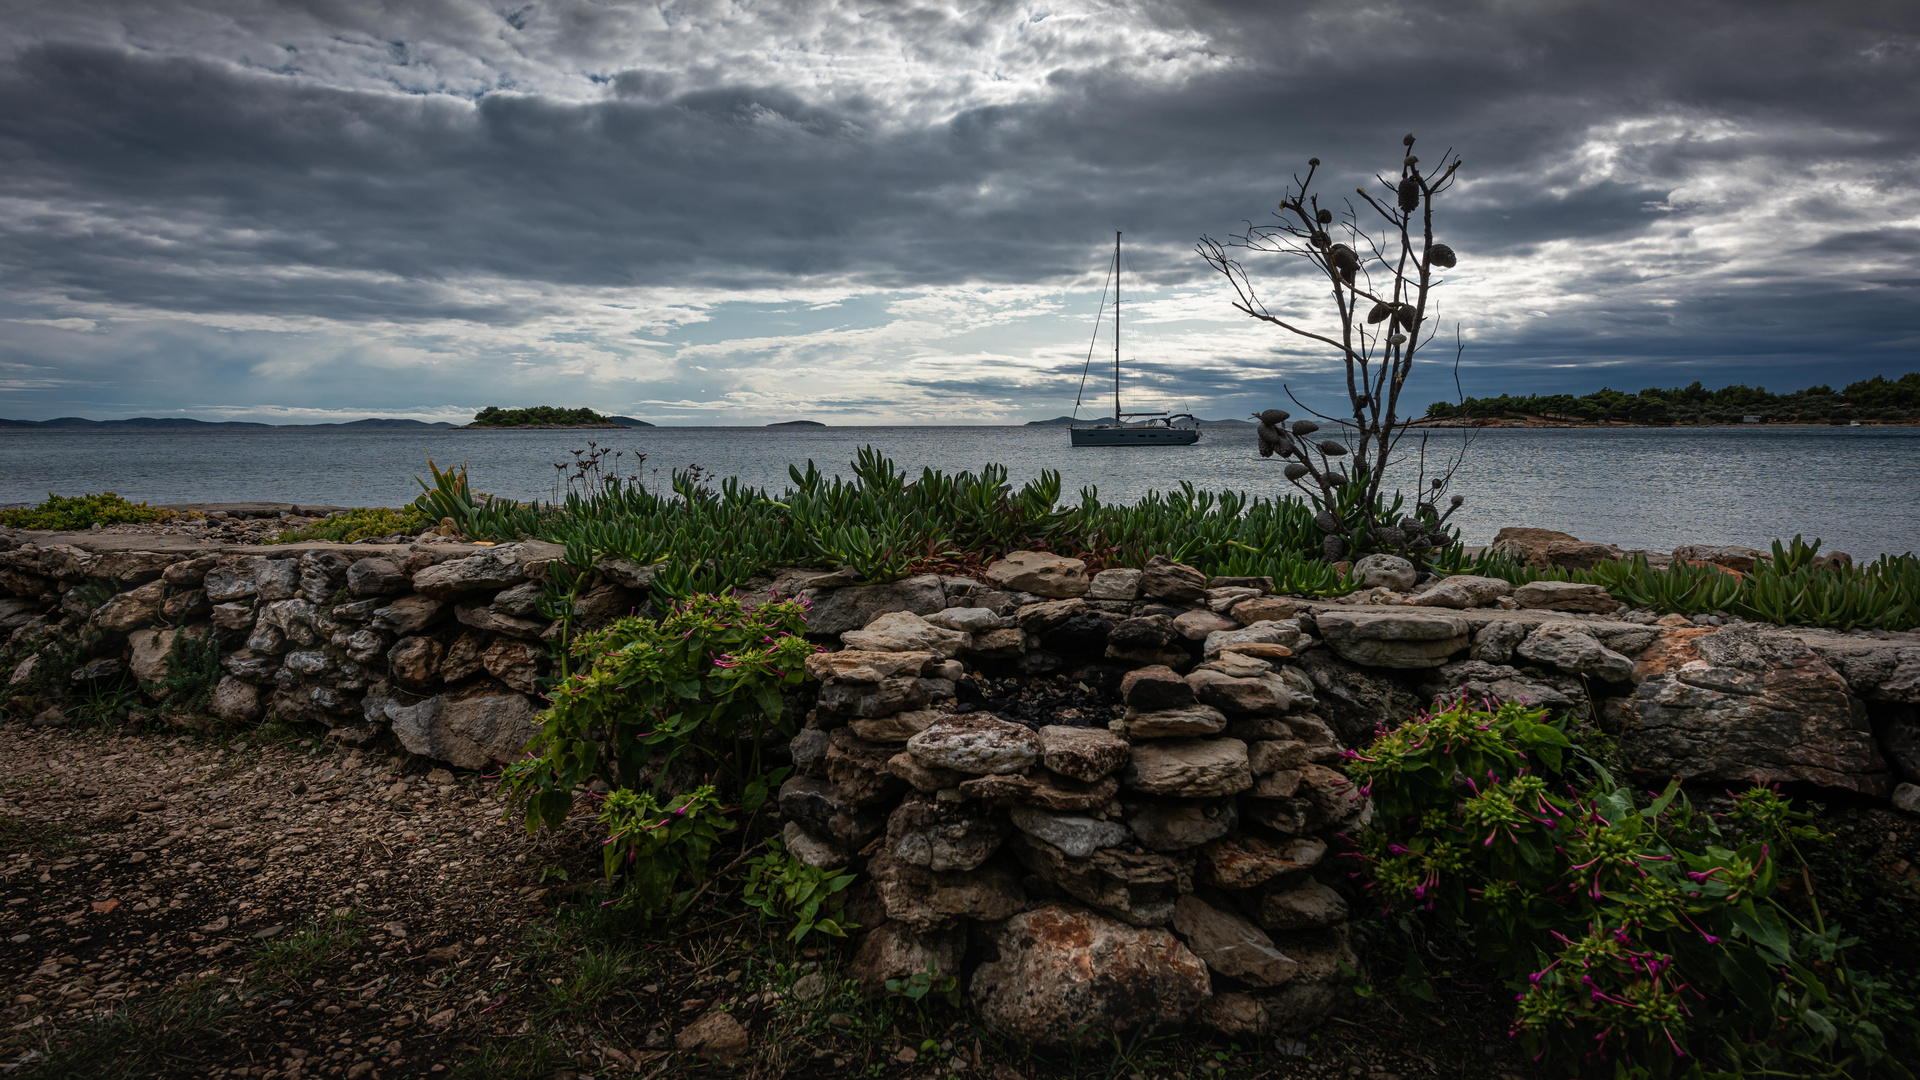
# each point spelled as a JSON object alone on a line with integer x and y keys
{"x": 1107, "y": 800}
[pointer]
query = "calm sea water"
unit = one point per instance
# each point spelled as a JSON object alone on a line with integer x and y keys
{"x": 1856, "y": 488}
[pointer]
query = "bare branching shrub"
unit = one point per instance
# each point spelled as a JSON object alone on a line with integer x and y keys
{"x": 1379, "y": 260}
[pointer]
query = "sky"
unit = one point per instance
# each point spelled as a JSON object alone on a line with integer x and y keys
{"x": 901, "y": 213}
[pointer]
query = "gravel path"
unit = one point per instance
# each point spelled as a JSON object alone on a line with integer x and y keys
{"x": 331, "y": 914}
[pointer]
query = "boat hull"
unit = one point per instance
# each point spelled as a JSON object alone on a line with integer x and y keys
{"x": 1141, "y": 436}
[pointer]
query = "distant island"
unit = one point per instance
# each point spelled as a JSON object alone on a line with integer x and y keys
{"x": 549, "y": 417}
{"x": 166, "y": 422}
{"x": 1870, "y": 401}
{"x": 798, "y": 423}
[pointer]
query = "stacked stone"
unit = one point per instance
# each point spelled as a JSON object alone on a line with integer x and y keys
{"x": 1169, "y": 857}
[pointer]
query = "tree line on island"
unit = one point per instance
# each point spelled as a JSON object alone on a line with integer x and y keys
{"x": 1869, "y": 400}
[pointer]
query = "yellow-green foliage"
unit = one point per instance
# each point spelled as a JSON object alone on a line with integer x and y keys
{"x": 82, "y": 511}
{"x": 360, "y": 523}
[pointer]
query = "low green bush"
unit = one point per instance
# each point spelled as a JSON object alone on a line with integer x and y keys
{"x": 1640, "y": 939}
{"x": 360, "y": 523}
{"x": 784, "y": 889}
{"x": 82, "y": 512}
{"x": 660, "y": 851}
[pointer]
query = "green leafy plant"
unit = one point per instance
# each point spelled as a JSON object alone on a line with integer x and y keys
{"x": 82, "y": 512}
{"x": 494, "y": 416}
{"x": 706, "y": 680}
{"x": 661, "y": 850}
{"x": 360, "y": 523}
{"x": 920, "y": 985}
{"x": 783, "y": 888}
{"x": 193, "y": 670}
{"x": 1641, "y": 940}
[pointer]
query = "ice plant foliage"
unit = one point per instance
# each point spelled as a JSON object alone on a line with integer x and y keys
{"x": 701, "y": 687}
{"x": 1641, "y": 938}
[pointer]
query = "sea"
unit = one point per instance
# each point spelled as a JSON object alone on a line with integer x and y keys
{"x": 1855, "y": 489}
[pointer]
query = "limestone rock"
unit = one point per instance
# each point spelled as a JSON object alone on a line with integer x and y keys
{"x": 1039, "y": 618}
{"x": 185, "y": 607}
{"x": 1042, "y": 790}
{"x": 883, "y": 698}
{"x": 1747, "y": 702}
{"x": 236, "y": 701}
{"x": 147, "y": 654}
{"x": 1231, "y": 945}
{"x": 1063, "y": 975}
{"x": 515, "y": 663}
{"x": 716, "y": 1036}
{"x": 1263, "y": 609}
{"x": 522, "y": 601}
{"x": 1579, "y": 555}
{"x": 235, "y": 616}
{"x": 857, "y": 769}
{"x": 1477, "y": 679}
{"x": 1196, "y": 625}
{"x": 1137, "y": 886}
{"x": 813, "y": 803}
{"x": 1574, "y": 649}
{"x": 943, "y": 836}
{"x": 415, "y": 661}
{"x": 1222, "y": 598}
{"x": 894, "y": 950}
{"x": 1907, "y": 797}
{"x": 1494, "y": 641}
{"x": 1154, "y": 687}
{"x": 276, "y": 579}
{"x": 1006, "y": 643}
{"x": 1074, "y": 834}
{"x": 1401, "y": 639}
{"x": 919, "y": 777}
{"x": 468, "y": 733}
{"x": 1165, "y": 579}
{"x": 378, "y": 576}
{"x": 1741, "y": 560}
{"x": 976, "y": 743}
{"x": 809, "y": 849}
{"x": 1116, "y": 584}
{"x": 1284, "y": 633}
{"x": 967, "y": 620}
{"x": 1178, "y": 826}
{"x": 189, "y": 573}
{"x": 496, "y": 569}
{"x": 484, "y": 618}
{"x": 897, "y": 728}
{"x": 1084, "y": 754}
{"x": 1462, "y": 591}
{"x": 409, "y": 614}
{"x": 903, "y": 631}
{"x": 808, "y": 748}
{"x": 1189, "y": 768}
{"x": 1193, "y": 720}
{"x": 1564, "y": 596}
{"x": 1301, "y": 907}
{"x": 1040, "y": 573}
{"x": 1528, "y": 545}
{"x": 1148, "y": 640}
{"x": 836, "y": 611}
{"x": 924, "y": 898}
{"x": 862, "y": 666}
{"x": 133, "y": 609}
{"x": 1244, "y": 860}
{"x": 627, "y": 573}
{"x": 1263, "y": 693}
{"x": 1384, "y": 572}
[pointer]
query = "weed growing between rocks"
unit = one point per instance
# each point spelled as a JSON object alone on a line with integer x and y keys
{"x": 1640, "y": 937}
{"x": 72, "y": 512}
{"x": 360, "y": 523}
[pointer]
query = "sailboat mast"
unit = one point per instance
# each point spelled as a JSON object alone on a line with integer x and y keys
{"x": 1116, "y": 329}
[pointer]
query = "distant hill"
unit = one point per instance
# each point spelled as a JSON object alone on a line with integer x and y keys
{"x": 183, "y": 422}
{"x": 798, "y": 423}
{"x": 628, "y": 421}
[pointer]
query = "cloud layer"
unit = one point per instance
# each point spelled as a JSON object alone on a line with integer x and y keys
{"x": 729, "y": 213}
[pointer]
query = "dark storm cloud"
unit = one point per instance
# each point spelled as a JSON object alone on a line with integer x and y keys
{"x": 207, "y": 183}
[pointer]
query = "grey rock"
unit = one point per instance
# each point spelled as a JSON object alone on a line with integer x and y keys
{"x": 1384, "y": 572}
{"x": 896, "y": 950}
{"x": 1402, "y": 639}
{"x": 903, "y": 631}
{"x": 267, "y": 639}
{"x": 1165, "y": 579}
{"x": 943, "y": 836}
{"x": 968, "y": 620}
{"x": 378, "y": 576}
{"x": 976, "y": 743}
{"x": 817, "y": 853}
{"x": 1263, "y": 693}
{"x": 1189, "y": 768}
{"x": 1574, "y": 649}
{"x": 1285, "y": 633}
{"x": 1302, "y": 906}
{"x": 1188, "y": 722}
{"x": 133, "y": 609}
{"x": 1564, "y": 596}
{"x": 308, "y": 663}
{"x": 857, "y": 769}
{"x": 836, "y": 611}
{"x": 251, "y": 666}
{"x": 924, "y": 898}
{"x": 919, "y": 777}
{"x": 236, "y": 701}
{"x": 276, "y": 579}
{"x": 486, "y": 619}
{"x": 813, "y": 803}
{"x": 1462, "y": 591}
{"x": 627, "y": 573}
{"x": 1076, "y": 835}
{"x": 1178, "y": 826}
{"x": 409, "y": 614}
{"x": 1494, "y": 641}
{"x": 897, "y": 728}
{"x": 1155, "y": 687}
{"x": 1148, "y": 640}
{"x": 1061, "y": 975}
{"x": 522, "y": 601}
{"x": 1139, "y": 887}
{"x": 884, "y": 698}
{"x": 1042, "y": 790}
{"x": 1477, "y": 679}
{"x": 469, "y": 733}
{"x": 495, "y": 569}
{"x": 1040, "y": 573}
{"x": 228, "y": 583}
{"x": 1039, "y": 618}
{"x": 1230, "y": 944}
{"x": 1115, "y": 584}
{"x": 1243, "y": 860}
{"x": 808, "y": 749}
{"x": 1198, "y": 625}
{"x": 1907, "y": 797}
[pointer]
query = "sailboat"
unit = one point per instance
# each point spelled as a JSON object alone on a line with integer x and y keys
{"x": 1150, "y": 429}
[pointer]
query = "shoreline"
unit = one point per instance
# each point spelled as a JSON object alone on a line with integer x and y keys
{"x": 1534, "y": 422}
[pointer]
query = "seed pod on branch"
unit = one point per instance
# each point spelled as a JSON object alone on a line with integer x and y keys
{"x": 1409, "y": 524}
{"x": 1411, "y": 161}
{"x": 1276, "y": 417}
{"x": 1361, "y": 401}
{"x": 1388, "y": 536}
{"x": 1332, "y": 449}
{"x": 1273, "y": 440}
{"x": 1381, "y": 309}
{"x": 1304, "y": 428}
{"x": 1456, "y": 501}
{"x": 1344, "y": 262}
{"x": 1324, "y": 216}
{"x": 1320, "y": 240}
{"x": 1335, "y": 477}
{"x": 1314, "y": 161}
{"x": 1403, "y": 317}
{"x": 1396, "y": 339}
{"x": 1296, "y": 470}
{"x": 1442, "y": 255}
{"x": 1410, "y": 193}
{"x": 1327, "y": 522}
{"x": 1408, "y": 140}
{"x": 1333, "y": 547}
